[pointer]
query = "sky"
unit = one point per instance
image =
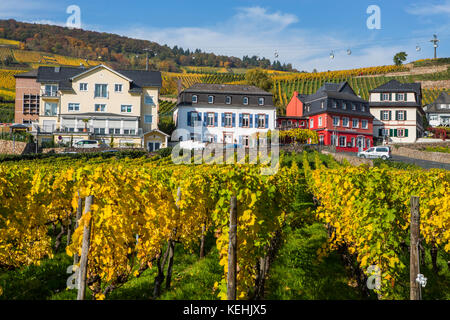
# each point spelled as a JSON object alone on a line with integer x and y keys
{"x": 302, "y": 32}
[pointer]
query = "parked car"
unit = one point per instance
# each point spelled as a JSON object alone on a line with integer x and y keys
{"x": 383, "y": 152}
{"x": 87, "y": 144}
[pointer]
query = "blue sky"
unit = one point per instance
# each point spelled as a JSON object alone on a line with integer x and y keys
{"x": 302, "y": 32}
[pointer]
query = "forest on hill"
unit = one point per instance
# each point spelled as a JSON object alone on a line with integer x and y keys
{"x": 119, "y": 51}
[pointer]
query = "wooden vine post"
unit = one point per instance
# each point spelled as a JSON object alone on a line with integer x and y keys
{"x": 77, "y": 218}
{"x": 171, "y": 245}
{"x": 414, "y": 251}
{"x": 232, "y": 251}
{"x": 84, "y": 253}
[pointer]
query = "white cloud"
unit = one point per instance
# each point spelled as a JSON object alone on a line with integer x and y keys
{"x": 424, "y": 9}
{"x": 256, "y": 31}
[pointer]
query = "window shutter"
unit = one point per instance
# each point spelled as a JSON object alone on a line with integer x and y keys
{"x": 381, "y": 97}
{"x": 381, "y": 115}
{"x": 267, "y": 121}
{"x": 390, "y": 115}
{"x": 189, "y": 118}
{"x": 395, "y": 132}
{"x": 215, "y": 119}
{"x": 404, "y": 115}
{"x": 380, "y": 132}
{"x": 240, "y": 120}
{"x": 205, "y": 119}
{"x": 234, "y": 120}
{"x": 251, "y": 121}
{"x": 390, "y": 96}
{"x": 406, "y": 132}
{"x": 199, "y": 116}
{"x": 396, "y": 115}
{"x": 391, "y": 132}
{"x": 405, "y": 97}
{"x": 223, "y": 119}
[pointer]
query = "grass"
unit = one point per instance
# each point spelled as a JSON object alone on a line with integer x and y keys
{"x": 445, "y": 149}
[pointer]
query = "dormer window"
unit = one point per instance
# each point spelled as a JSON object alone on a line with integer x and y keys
{"x": 334, "y": 105}
{"x": 353, "y": 106}
{"x": 344, "y": 105}
{"x": 261, "y": 101}
{"x": 194, "y": 99}
{"x": 385, "y": 97}
{"x": 245, "y": 100}
{"x": 363, "y": 108}
{"x": 228, "y": 100}
{"x": 210, "y": 99}
{"x": 322, "y": 105}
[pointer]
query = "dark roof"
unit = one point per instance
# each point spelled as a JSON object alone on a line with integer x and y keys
{"x": 394, "y": 104}
{"x": 396, "y": 86}
{"x": 30, "y": 74}
{"x": 292, "y": 117}
{"x": 444, "y": 98}
{"x": 225, "y": 88}
{"x": 143, "y": 78}
{"x": 62, "y": 76}
{"x": 335, "y": 91}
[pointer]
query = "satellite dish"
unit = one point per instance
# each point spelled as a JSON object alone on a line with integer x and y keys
{"x": 349, "y": 52}
{"x": 332, "y": 55}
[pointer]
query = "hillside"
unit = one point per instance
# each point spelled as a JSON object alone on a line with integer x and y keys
{"x": 121, "y": 52}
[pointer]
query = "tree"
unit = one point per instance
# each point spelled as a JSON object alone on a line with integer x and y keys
{"x": 399, "y": 58}
{"x": 259, "y": 78}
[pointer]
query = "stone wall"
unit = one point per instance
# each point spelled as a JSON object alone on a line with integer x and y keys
{"x": 422, "y": 155}
{"x": 354, "y": 161}
{"x": 15, "y": 147}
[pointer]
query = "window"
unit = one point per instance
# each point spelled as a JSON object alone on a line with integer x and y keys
{"x": 228, "y": 120}
{"x": 385, "y": 97}
{"x": 311, "y": 123}
{"x": 344, "y": 105}
{"x": 100, "y": 107}
{"x": 345, "y": 121}
{"x": 364, "y": 124}
{"x": 335, "y": 104}
{"x": 401, "y": 133}
{"x": 261, "y": 101}
{"x": 194, "y": 99}
{"x": 148, "y": 100}
{"x": 385, "y": 132}
{"x": 400, "y": 115}
{"x": 261, "y": 121}
{"x": 320, "y": 121}
{"x": 342, "y": 141}
{"x": 335, "y": 121}
{"x": 51, "y": 90}
{"x": 101, "y": 91}
{"x": 228, "y": 100}
{"x": 433, "y": 117}
{"x": 245, "y": 100}
{"x": 73, "y": 107}
{"x": 83, "y": 86}
{"x": 118, "y": 87}
{"x": 126, "y": 108}
{"x": 400, "y": 97}
{"x": 210, "y": 99}
{"x": 363, "y": 108}
{"x": 321, "y": 139}
{"x": 245, "y": 141}
{"x": 114, "y": 131}
{"x": 334, "y": 141}
{"x": 353, "y": 142}
{"x": 384, "y": 115}
{"x": 322, "y": 105}
{"x": 194, "y": 118}
{"x": 148, "y": 118}
{"x": 353, "y": 106}
{"x": 355, "y": 123}
{"x": 50, "y": 109}
{"x": 245, "y": 120}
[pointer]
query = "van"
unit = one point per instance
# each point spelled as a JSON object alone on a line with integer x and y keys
{"x": 87, "y": 144}
{"x": 383, "y": 152}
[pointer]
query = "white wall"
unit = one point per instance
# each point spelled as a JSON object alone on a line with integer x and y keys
{"x": 180, "y": 114}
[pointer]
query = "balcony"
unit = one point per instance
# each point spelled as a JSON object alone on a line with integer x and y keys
{"x": 52, "y": 129}
{"x": 50, "y": 94}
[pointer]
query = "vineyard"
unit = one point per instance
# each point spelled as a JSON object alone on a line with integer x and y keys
{"x": 168, "y": 207}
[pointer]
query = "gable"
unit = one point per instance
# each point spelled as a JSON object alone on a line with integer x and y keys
{"x": 102, "y": 71}
{"x": 345, "y": 88}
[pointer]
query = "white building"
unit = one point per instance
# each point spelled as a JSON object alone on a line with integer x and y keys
{"x": 224, "y": 113}
{"x": 397, "y": 108}
{"x": 438, "y": 112}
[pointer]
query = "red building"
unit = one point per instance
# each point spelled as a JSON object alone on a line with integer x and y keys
{"x": 294, "y": 114}
{"x": 340, "y": 117}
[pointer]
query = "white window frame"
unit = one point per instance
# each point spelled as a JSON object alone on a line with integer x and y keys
{"x": 385, "y": 97}
{"x": 344, "y": 106}
{"x": 82, "y": 85}
{"x": 100, "y": 104}
{"x": 210, "y": 116}
{"x": 228, "y": 118}
{"x": 246, "y": 118}
{"x": 320, "y": 121}
{"x": 353, "y": 123}
{"x": 261, "y": 121}
{"x": 194, "y": 98}
{"x": 345, "y": 141}
{"x": 245, "y": 100}
{"x": 73, "y": 109}
{"x": 102, "y": 85}
{"x": 346, "y": 125}
{"x": 400, "y": 135}
{"x": 259, "y": 101}
{"x": 402, "y": 113}
{"x": 353, "y": 107}
{"x": 385, "y": 114}
{"x": 364, "y": 124}
{"x": 311, "y": 123}
{"x": 397, "y": 97}
{"x": 210, "y": 99}
{"x": 336, "y": 124}
{"x": 228, "y": 100}
{"x": 126, "y": 108}
{"x": 116, "y": 86}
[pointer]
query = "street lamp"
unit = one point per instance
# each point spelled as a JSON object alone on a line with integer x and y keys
{"x": 147, "y": 50}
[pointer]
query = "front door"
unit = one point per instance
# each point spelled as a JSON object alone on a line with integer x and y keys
{"x": 360, "y": 143}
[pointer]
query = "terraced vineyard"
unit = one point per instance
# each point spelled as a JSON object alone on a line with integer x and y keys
{"x": 165, "y": 107}
{"x": 189, "y": 79}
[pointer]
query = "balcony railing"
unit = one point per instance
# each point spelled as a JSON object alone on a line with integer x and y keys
{"x": 90, "y": 131}
{"x": 50, "y": 94}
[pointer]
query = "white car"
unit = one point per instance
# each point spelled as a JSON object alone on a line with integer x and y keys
{"x": 87, "y": 144}
{"x": 376, "y": 152}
